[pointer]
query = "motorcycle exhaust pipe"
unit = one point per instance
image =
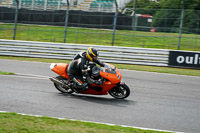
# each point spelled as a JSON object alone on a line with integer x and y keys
{"x": 56, "y": 81}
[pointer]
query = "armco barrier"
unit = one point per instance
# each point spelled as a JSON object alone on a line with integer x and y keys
{"x": 112, "y": 54}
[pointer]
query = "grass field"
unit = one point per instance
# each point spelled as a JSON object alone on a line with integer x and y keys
{"x": 101, "y": 37}
{"x": 17, "y": 123}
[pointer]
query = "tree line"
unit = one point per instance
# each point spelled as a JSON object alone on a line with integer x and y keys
{"x": 167, "y": 13}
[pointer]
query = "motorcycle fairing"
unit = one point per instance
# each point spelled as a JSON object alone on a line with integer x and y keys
{"x": 105, "y": 88}
{"x": 60, "y": 69}
{"x": 112, "y": 74}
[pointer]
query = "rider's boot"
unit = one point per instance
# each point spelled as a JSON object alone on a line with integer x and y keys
{"x": 79, "y": 85}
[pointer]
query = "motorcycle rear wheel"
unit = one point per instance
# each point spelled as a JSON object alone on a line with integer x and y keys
{"x": 121, "y": 91}
{"x": 62, "y": 89}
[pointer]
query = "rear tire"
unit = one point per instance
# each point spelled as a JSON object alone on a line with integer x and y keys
{"x": 121, "y": 91}
{"x": 61, "y": 88}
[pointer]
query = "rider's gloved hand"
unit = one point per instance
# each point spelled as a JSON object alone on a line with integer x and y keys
{"x": 88, "y": 69}
{"x": 86, "y": 75}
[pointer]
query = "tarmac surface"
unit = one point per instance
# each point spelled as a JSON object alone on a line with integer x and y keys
{"x": 157, "y": 101}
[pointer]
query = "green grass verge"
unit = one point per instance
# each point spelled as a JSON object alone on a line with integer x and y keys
{"x": 101, "y": 37}
{"x": 6, "y": 73}
{"x": 17, "y": 123}
{"x": 179, "y": 71}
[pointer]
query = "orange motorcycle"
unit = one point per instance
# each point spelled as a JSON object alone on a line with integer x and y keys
{"x": 108, "y": 77}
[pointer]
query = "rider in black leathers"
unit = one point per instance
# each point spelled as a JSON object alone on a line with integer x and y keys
{"x": 78, "y": 68}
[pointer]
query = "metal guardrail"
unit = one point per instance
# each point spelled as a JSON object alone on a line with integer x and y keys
{"x": 112, "y": 54}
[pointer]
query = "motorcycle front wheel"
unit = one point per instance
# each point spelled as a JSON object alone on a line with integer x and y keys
{"x": 60, "y": 87}
{"x": 121, "y": 91}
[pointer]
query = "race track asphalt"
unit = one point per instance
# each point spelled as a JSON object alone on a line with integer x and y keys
{"x": 157, "y": 101}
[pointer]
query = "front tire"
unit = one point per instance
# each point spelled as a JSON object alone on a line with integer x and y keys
{"x": 60, "y": 87}
{"x": 121, "y": 91}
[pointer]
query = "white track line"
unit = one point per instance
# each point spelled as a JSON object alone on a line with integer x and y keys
{"x": 20, "y": 75}
{"x": 31, "y": 75}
